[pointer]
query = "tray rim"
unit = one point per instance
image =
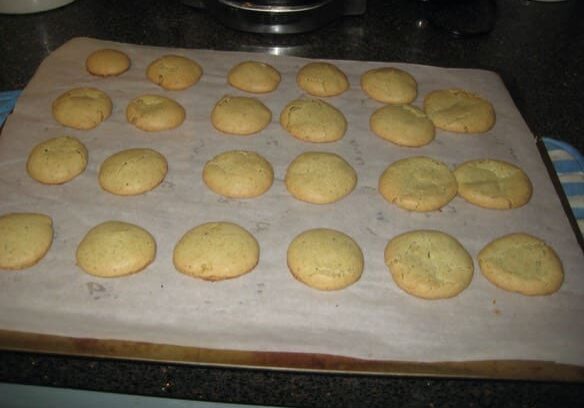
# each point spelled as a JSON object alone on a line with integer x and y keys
{"x": 286, "y": 361}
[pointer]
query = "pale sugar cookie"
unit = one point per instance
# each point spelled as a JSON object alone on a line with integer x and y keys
{"x": 154, "y": 113}
{"x": 132, "y": 171}
{"x": 418, "y": 184}
{"x": 254, "y": 76}
{"x": 320, "y": 178}
{"x": 216, "y": 251}
{"x": 322, "y": 79}
{"x": 240, "y": 115}
{"x": 174, "y": 72}
{"x": 457, "y": 110}
{"x": 115, "y": 248}
{"x": 57, "y": 160}
{"x": 82, "y": 108}
{"x": 493, "y": 184}
{"x": 522, "y": 263}
{"x": 313, "y": 120}
{"x": 404, "y": 125}
{"x": 25, "y": 238}
{"x": 238, "y": 174}
{"x": 429, "y": 264}
{"x": 107, "y": 62}
{"x": 325, "y": 259}
{"x": 389, "y": 85}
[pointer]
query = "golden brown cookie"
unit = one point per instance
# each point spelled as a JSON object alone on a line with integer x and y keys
{"x": 132, "y": 171}
{"x": 493, "y": 184}
{"x": 57, "y": 160}
{"x": 313, "y": 120}
{"x": 429, "y": 264}
{"x": 240, "y": 115}
{"x": 174, "y": 72}
{"x": 325, "y": 259}
{"x": 25, "y": 238}
{"x": 322, "y": 79}
{"x": 522, "y": 263}
{"x": 254, "y": 76}
{"x": 457, "y": 110}
{"x": 216, "y": 251}
{"x": 107, "y": 62}
{"x": 320, "y": 178}
{"x": 389, "y": 85}
{"x": 404, "y": 125}
{"x": 154, "y": 113}
{"x": 238, "y": 174}
{"x": 418, "y": 184}
{"x": 115, "y": 248}
{"x": 82, "y": 108}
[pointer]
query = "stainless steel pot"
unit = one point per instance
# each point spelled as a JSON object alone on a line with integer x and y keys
{"x": 279, "y": 16}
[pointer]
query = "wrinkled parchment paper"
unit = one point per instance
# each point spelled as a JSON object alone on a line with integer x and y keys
{"x": 267, "y": 309}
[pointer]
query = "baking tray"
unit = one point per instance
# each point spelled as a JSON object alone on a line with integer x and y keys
{"x": 322, "y": 345}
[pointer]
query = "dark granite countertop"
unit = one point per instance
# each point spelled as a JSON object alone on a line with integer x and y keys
{"x": 535, "y": 47}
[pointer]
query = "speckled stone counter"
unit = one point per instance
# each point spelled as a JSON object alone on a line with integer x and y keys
{"x": 535, "y": 48}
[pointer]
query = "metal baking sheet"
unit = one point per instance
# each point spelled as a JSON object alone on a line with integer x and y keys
{"x": 267, "y": 312}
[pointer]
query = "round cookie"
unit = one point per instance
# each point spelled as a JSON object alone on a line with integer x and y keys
{"x": 325, "y": 259}
{"x": 115, "y": 248}
{"x": 25, "y": 238}
{"x": 457, "y": 110}
{"x": 254, "y": 76}
{"x": 320, "y": 178}
{"x": 154, "y": 113}
{"x": 313, "y": 120}
{"x": 57, "y": 160}
{"x": 107, "y": 62}
{"x": 322, "y": 79}
{"x": 429, "y": 264}
{"x": 389, "y": 85}
{"x": 404, "y": 125}
{"x": 240, "y": 115}
{"x": 493, "y": 184}
{"x": 522, "y": 263}
{"x": 216, "y": 251}
{"x": 174, "y": 72}
{"x": 418, "y": 184}
{"x": 82, "y": 108}
{"x": 132, "y": 171}
{"x": 238, "y": 174}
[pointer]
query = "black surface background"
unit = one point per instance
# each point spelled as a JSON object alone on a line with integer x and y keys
{"x": 537, "y": 49}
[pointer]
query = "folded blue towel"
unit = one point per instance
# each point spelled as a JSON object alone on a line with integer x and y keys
{"x": 569, "y": 165}
{"x": 568, "y": 162}
{"x": 7, "y": 102}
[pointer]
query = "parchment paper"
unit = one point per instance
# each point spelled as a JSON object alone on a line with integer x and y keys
{"x": 267, "y": 309}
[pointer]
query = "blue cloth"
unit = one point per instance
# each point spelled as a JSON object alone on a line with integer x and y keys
{"x": 569, "y": 165}
{"x": 7, "y": 102}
